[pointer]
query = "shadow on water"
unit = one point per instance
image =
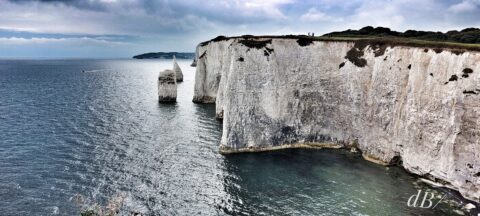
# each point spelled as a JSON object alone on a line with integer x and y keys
{"x": 205, "y": 111}
{"x": 316, "y": 182}
{"x": 169, "y": 109}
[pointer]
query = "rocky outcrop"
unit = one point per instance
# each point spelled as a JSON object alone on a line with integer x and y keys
{"x": 167, "y": 86}
{"x": 178, "y": 71}
{"x": 418, "y": 107}
{"x": 211, "y": 61}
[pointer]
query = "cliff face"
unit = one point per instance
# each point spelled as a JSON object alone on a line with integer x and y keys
{"x": 211, "y": 61}
{"x": 420, "y": 106}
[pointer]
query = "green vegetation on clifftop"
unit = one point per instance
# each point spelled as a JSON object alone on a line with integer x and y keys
{"x": 468, "y": 35}
{"x": 456, "y": 41}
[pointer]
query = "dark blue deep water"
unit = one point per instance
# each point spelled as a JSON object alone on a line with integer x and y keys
{"x": 79, "y": 135}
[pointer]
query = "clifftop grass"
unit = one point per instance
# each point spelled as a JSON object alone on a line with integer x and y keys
{"x": 467, "y": 36}
{"x": 457, "y": 48}
{"x": 379, "y": 38}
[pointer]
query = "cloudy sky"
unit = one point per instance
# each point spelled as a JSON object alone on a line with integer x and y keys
{"x": 122, "y": 28}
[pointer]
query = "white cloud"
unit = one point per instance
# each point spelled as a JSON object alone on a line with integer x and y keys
{"x": 44, "y": 40}
{"x": 51, "y": 18}
{"x": 267, "y": 7}
{"x": 465, "y": 6}
{"x": 396, "y": 14}
{"x": 314, "y": 15}
{"x": 127, "y": 19}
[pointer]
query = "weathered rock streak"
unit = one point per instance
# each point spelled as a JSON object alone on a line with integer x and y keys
{"x": 415, "y": 104}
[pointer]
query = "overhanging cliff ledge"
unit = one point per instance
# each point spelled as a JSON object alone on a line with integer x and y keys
{"x": 409, "y": 101}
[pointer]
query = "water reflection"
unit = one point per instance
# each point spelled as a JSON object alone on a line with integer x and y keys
{"x": 321, "y": 182}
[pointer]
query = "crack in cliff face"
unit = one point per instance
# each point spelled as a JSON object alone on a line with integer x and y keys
{"x": 356, "y": 53}
{"x": 467, "y": 71}
{"x": 470, "y": 92}
{"x": 203, "y": 55}
{"x": 305, "y": 41}
{"x": 379, "y": 48}
{"x": 466, "y": 74}
{"x": 452, "y": 78}
{"x": 267, "y": 51}
{"x": 474, "y": 92}
{"x": 255, "y": 44}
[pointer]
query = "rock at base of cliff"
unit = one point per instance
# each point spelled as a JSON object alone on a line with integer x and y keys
{"x": 203, "y": 99}
{"x": 178, "y": 70}
{"x": 167, "y": 87}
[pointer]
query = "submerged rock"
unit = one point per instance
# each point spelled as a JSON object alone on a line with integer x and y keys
{"x": 469, "y": 206}
{"x": 178, "y": 71}
{"x": 167, "y": 86}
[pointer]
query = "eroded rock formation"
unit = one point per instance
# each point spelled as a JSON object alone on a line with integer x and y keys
{"x": 178, "y": 71}
{"x": 167, "y": 86}
{"x": 419, "y": 106}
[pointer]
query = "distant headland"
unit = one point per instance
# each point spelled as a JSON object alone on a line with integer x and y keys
{"x": 165, "y": 55}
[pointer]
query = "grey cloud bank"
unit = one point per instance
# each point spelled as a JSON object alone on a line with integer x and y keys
{"x": 180, "y": 25}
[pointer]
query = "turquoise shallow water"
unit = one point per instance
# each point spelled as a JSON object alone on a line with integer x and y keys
{"x": 79, "y": 134}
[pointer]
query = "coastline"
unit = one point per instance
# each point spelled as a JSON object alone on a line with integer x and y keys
{"x": 425, "y": 179}
{"x": 226, "y": 150}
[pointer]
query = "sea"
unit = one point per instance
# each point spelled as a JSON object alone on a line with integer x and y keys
{"x": 88, "y": 136}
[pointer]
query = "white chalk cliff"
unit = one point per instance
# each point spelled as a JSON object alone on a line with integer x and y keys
{"x": 416, "y": 105}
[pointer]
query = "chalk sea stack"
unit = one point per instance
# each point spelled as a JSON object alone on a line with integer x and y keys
{"x": 178, "y": 71}
{"x": 194, "y": 63}
{"x": 167, "y": 87}
{"x": 397, "y": 102}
